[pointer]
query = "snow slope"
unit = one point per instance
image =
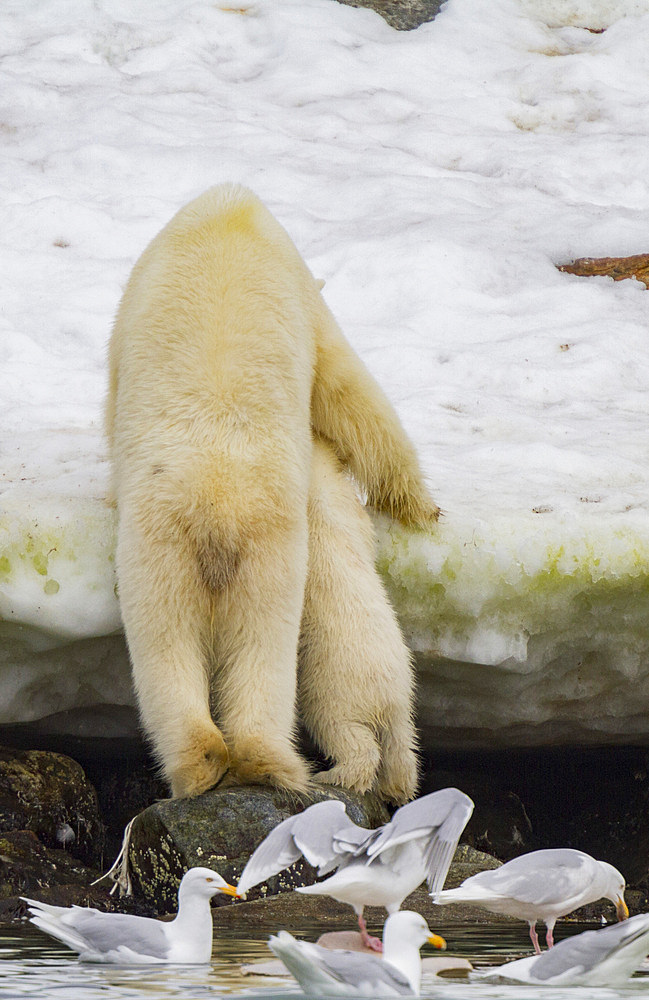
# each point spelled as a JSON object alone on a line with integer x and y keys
{"x": 434, "y": 179}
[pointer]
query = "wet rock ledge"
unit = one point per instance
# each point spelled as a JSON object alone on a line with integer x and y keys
{"x": 61, "y": 826}
{"x": 220, "y": 830}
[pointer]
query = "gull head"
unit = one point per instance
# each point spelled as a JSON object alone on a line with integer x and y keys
{"x": 205, "y": 882}
{"x": 614, "y": 889}
{"x": 409, "y": 928}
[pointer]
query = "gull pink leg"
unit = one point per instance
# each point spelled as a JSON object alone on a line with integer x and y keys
{"x": 370, "y": 942}
{"x": 535, "y": 940}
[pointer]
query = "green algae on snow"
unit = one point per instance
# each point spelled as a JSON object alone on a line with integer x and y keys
{"x": 511, "y": 579}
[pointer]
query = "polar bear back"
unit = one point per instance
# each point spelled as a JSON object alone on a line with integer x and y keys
{"x": 213, "y": 349}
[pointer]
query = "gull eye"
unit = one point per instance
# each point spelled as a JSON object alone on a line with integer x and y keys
{"x": 209, "y": 879}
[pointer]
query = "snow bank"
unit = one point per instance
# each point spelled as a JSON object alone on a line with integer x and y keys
{"x": 434, "y": 179}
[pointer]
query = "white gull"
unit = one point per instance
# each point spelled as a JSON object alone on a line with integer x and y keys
{"x": 371, "y": 867}
{"x": 325, "y": 972}
{"x": 127, "y": 939}
{"x": 605, "y": 957}
{"x": 542, "y": 885}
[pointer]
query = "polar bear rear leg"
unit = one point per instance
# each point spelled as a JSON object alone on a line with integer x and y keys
{"x": 165, "y": 615}
{"x": 355, "y": 682}
{"x": 256, "y": 628}
{"x": 398, "y": 774}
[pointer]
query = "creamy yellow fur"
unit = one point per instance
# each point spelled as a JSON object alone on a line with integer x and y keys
{"x": 234, "y": 405}
{"x": 355, "y": 678}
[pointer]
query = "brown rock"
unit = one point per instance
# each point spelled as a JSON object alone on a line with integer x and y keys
{"x": 617, "y": 268}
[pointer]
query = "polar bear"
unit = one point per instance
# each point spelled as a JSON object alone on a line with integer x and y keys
{"x": 236, "y": 413}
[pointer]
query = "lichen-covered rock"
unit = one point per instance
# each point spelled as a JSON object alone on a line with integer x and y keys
{"x": 404, "y": 15}
{"x": 49, "y": 794}
{"x": 27, "y": 868}
{"x": 220, "y": 830}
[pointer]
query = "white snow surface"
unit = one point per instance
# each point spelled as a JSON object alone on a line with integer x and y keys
{"x": 434, "y": 179}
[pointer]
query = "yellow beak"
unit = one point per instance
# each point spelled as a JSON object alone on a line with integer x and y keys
{"x": 229, "y": 890}
{"x": 437, "y": 941}
{"x": 621, "y": 909}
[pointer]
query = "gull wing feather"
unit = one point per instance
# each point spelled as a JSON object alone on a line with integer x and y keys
{"x": 313, "y": 966}
{"x": 356, "y": 969}
{"x": 309, "y": 834}
{"x": 439, "y": 819}
{"x": 87, "y": 929}
{"x": 583, "y": 952}
{"x": 538, "y": 877}
{"x": 349, "y": 844}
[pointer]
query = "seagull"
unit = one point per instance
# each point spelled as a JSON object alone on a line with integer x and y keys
{"x": 542, "y": 885}
{"x": 374, "y": 867}
{"x": 323, "y": 972}
{"x": 605, "y": 957}
{"x": 126, "y": 939}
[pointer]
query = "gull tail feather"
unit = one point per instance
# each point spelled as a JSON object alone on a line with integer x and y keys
{"x": 62, "y": 933}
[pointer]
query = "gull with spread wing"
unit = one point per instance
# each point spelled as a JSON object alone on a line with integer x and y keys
{"x": 370, "y": 867}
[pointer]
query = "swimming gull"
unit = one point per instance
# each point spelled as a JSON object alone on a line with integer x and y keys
{"x": 542, "y": 885}
{"x": 374, "y": 867}
{"x": 323, "y": 972}
{"x": 126, "y": 939}
{"x": 606, "y": 957}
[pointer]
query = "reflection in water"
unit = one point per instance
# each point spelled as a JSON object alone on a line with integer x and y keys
{"x": 31, "y": 965}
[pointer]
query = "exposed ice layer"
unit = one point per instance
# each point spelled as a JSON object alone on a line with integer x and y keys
{"x": 520, "y": 639}
{"x": 526, "y": 632}
{"x": 58, "y": 608}
{"x": 69, "y": 685}
{"x": 481, "y": 591}
{"x": 57, "y": 566}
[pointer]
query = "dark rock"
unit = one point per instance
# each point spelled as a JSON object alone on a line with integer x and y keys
{"x": 49, "y": 794}
{"x": 220, "y": 830}
{"x": 27, "y": 868}
{"x": 125, "y": 789}
{"x": 499, "y": 825}
{"x": 404, "y": 15}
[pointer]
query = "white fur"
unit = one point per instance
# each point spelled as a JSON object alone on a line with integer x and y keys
{"x": 235, "y": 409}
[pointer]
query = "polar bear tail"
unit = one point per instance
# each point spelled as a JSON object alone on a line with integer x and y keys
{"x": 217, "y": 557}
{"x": 216, "y": 540}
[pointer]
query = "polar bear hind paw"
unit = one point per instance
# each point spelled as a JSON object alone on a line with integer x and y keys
{"x": 200, "y": 766}
{"x": 398, "y": 778}
{"x": 254, "y": 763}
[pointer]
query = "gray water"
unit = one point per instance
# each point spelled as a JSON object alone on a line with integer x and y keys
{"x": 32, "y": 965}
